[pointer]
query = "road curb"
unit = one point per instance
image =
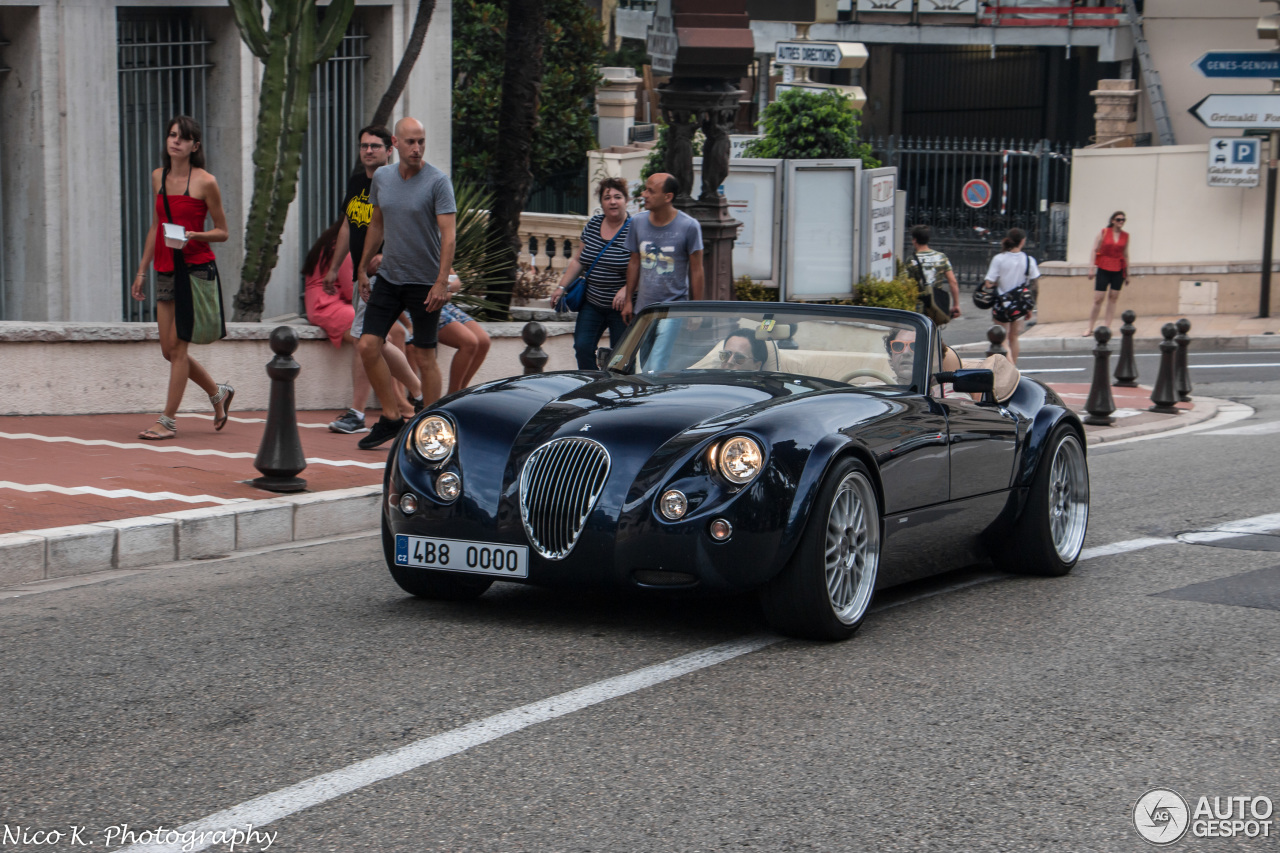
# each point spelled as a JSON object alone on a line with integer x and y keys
{"x": 1206, "y": 408}
{"x": 135, "y": 543}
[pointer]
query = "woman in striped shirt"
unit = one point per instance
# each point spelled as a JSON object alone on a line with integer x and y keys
{"x": 607, "y": 277}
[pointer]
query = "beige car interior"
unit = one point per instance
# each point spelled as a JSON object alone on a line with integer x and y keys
{"x": 869, "y": 360}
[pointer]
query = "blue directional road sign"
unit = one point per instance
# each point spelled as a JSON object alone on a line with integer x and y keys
{"x": 1240, "y": 64}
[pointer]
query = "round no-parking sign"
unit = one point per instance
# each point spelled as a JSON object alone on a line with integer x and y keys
{"x": 976, "y": 193}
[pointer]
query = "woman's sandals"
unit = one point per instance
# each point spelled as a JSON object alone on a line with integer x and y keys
{"x": 224, "y": 396}
{"x": 166, "y": 423}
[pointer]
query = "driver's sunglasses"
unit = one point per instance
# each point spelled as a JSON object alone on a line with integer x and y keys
{"x": 900, "y": 347}
{"x": 371, "y": 146}
{"x": 736, "y": 357}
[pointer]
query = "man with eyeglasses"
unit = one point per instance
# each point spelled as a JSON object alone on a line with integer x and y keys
{"x": 357, "y": 211}
{"x": 901, "y": 345}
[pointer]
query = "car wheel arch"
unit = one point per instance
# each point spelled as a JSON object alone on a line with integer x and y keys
{"x": 825, "y": 456}
{"x": 1042, "y": 427}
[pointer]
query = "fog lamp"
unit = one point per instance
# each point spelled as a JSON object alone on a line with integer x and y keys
{"x": 408, "y": 504}
{"x": 673, "y": 504}
{"x": 449, "y": 485}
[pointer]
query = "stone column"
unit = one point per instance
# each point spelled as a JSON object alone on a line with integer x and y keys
{"x": 709, "y": 105}
{"x": 1116, "y": 116}
{"x": 616, "y": 105}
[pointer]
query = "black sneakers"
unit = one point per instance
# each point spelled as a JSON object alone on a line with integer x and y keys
{"x": 383, "y": 431}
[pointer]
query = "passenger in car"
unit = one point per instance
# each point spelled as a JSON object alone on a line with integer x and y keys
{"x": 742, "y": 351}
{"x": 901, "y": 344}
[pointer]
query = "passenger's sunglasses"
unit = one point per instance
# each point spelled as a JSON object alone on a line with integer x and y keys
{"x": 900, "y": 347}
{"x": 727, "y": 356}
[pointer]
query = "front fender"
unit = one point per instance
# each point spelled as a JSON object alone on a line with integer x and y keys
{"x": 822, "y": 458}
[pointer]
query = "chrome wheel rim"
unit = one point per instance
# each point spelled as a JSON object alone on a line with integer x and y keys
{"x": 852, "y": 548}
{"x": 1068, "y": 499}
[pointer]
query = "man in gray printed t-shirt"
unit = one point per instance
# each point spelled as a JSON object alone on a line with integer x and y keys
{"x": 415, "y": 214}
{"x": 666, "y": 261}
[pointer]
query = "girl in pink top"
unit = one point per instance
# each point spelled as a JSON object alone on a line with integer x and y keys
{"x": 193, "y": 196}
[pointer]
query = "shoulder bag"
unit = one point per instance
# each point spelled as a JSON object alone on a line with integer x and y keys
{"x": 197, "y": 298}
{"x": 576, "y": 293}
{"x": 1015, "y": 304}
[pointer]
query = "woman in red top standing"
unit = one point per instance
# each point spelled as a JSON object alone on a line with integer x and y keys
{"x": 192, "y": 195}
{"x": 1110, "y": 268}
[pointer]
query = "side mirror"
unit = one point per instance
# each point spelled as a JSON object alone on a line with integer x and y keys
{"x": 969, "y": 381}
{"x": 602, "y": 357}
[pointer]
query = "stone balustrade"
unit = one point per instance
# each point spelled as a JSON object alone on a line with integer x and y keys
{"x": 548, "y": 240}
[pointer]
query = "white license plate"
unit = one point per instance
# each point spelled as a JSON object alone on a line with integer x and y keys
{"x": 459, "y": 555}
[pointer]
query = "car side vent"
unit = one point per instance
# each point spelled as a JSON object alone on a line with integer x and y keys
{"x": 559, "y": 486}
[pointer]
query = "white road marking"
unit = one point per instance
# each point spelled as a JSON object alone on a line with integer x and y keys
{"x": 32, "y": 488}
{"x": 268, "y": 808}
{"x": 172, "y": 448}
{"x": 1227, "y": 413}
{"x": 1250, "y": 364}
{"x": 1234, "y": 529}
{"x": 1265, "y": 428}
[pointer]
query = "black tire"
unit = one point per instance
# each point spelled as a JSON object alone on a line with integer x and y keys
{"x": 799, "y": 601}
{"x": 1048, "y": 537}
{"x": 424, "y": 583}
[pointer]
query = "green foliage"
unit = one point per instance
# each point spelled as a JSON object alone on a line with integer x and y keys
{"x": 901, "y": 292}
{"x": 572, "y": 51}
{"x": 476, "y": 259}
{"x": 296, "y": 40}
{"x": 746, "y": 290}
{"x": 807, "y": 125}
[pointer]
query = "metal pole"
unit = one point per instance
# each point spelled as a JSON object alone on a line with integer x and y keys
{"x": 1268, "y": 236}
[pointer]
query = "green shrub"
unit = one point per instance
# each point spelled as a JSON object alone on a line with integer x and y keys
{"x": 746, "y": 290}
{"x": 807, "y": 125}
{"x": 901, "y": 292}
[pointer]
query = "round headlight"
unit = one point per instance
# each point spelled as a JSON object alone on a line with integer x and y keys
{"x": 433, "y": 437}
{"x": 740, "y": 459}
{"x": 449, "y": 485}
{"x": 673, "y": 504}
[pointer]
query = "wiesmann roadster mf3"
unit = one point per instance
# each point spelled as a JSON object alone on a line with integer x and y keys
{"x": 812, "y": 453}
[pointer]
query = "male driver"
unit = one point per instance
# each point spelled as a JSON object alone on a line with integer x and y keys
{"x": 932, "y": 264}
{"x": 415, "y": 214}
{"x": 666, "y": 261}
{"x": 375, "y": 149}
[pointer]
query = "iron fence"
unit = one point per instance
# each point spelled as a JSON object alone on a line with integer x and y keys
{"x": 162, "y": 66}
{"x": 560, "y": 192}
{"x": 1025, "y": 182}
{"x": 329, "y": 148}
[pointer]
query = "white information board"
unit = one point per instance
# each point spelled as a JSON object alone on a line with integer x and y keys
{"x": 880, "y": 237}
{"x": 822, "y": 204}
{"x": 753, "y": 191}
{"x": 1234, "y": 161}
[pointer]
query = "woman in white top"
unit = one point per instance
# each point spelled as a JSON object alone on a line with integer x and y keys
{"x": 1010, "y": 270}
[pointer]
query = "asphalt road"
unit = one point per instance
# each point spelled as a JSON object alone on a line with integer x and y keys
{"x": 977, "y": 712}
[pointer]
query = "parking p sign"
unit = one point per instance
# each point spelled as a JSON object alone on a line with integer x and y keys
{"x": 1234, "y": 162}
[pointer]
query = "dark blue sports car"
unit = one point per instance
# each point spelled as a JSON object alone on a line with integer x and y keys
{"x": 813, "y": 453}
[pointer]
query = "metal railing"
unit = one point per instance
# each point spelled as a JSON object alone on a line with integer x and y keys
{"x": 1026, "y": 179}
{"x": 329, "y": 149}
{"x": 162, "y": 66}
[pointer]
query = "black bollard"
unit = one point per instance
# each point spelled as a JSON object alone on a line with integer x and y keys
{"x": 1165, "y": 393}
{"x": 533, "y": 358}
{"x": 280, "y": 457}
{"x": 1101, "y": 404}
{"x": 1181, "y": 371}
{"x": 996, "y": 336}
{"x": 1127, "y": 367}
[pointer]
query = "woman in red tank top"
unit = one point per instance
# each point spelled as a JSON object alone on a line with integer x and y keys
{"x": 192, "y": 195}
{"x": 1110, "y": 269}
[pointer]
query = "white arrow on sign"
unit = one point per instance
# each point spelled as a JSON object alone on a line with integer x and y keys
{"x": 1246, "y": 111}
{"x": 821, "y": 54}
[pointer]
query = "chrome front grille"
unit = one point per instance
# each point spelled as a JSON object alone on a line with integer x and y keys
{"x": 558, "y": 488}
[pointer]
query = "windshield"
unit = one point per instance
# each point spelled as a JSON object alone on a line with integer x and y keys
{"x": 855, "y": 346}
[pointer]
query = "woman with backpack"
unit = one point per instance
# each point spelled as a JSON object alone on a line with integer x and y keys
{"x": 1008, "y": 282}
